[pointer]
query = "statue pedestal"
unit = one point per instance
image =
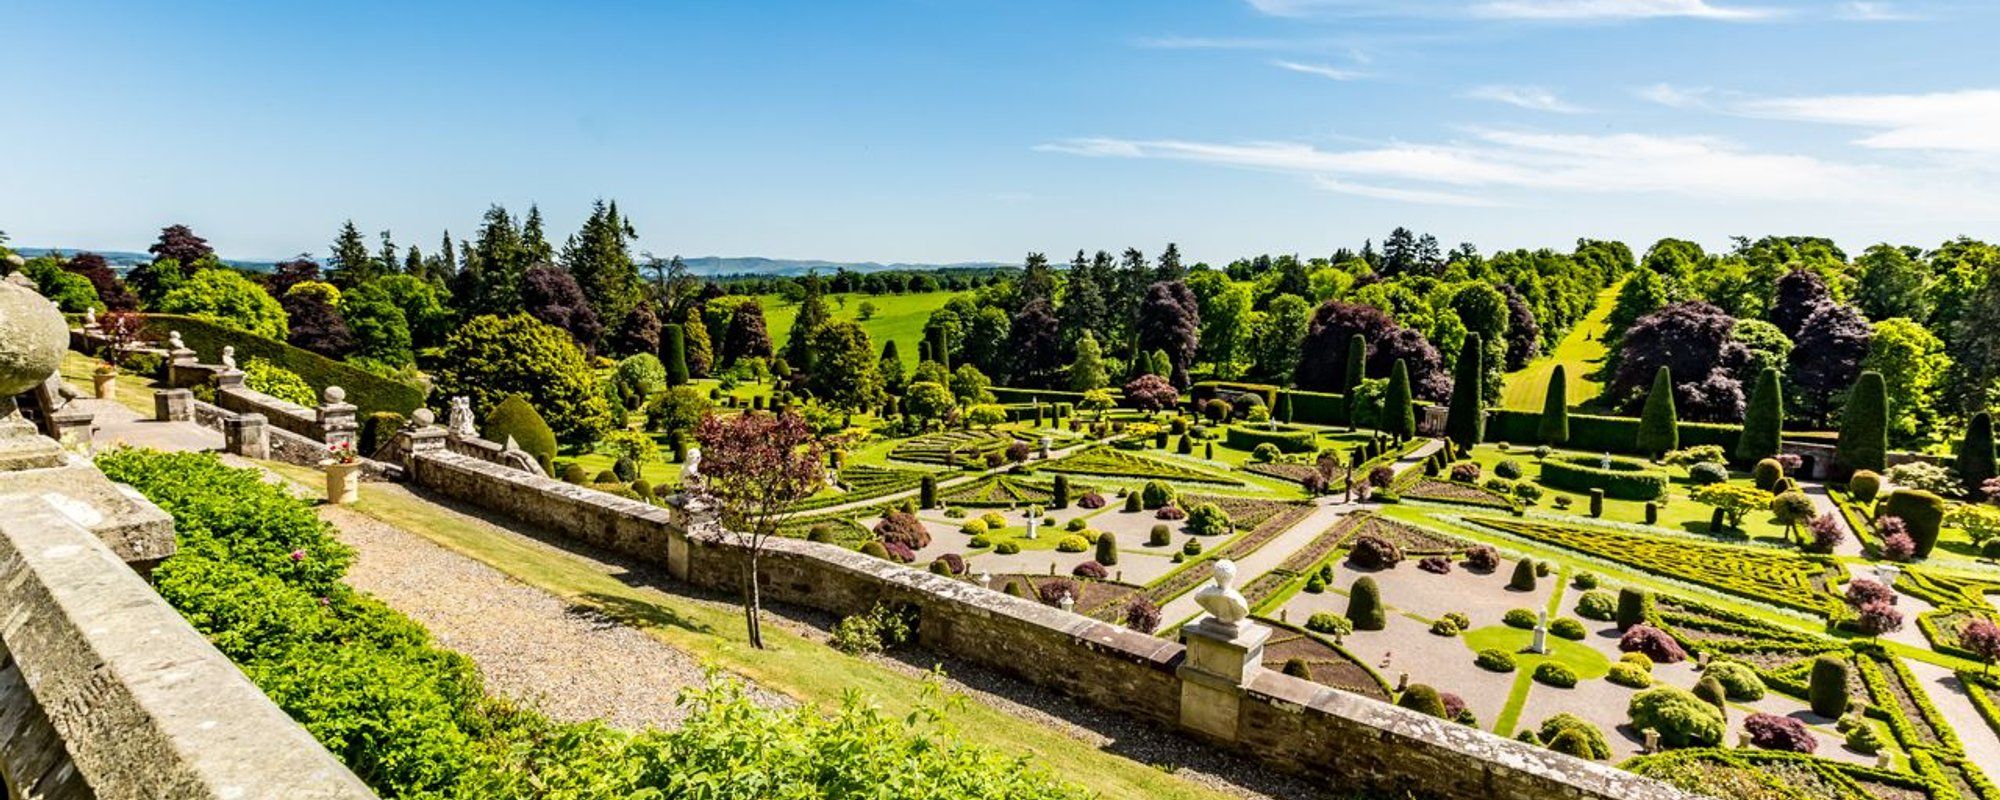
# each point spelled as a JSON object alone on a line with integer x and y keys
{"x": 1221, "y": 660}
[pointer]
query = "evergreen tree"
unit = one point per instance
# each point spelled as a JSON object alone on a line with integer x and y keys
{"x": 1284, "y": 412}
{"x": 388, "y": 256}
{"x": 1082, "y": 309}
{"x": 811, "y": 317}
{"x": 1764, "y": 422}
{"x": 496, "y": 263}
{"x": 892, "y": 368}
{"x": 940, "y": 348}
{"x": 413, "y": 261}
{"x": 1554, "y": 428}
{"x": 1465, "y": 422}
{"x": 1659, "y": 427}
{"x": 673, "y": 351}
{"x": 535, "y": 240}
{"x": 1975, "y": 453}
{"x": 1087, "y": 371}
{"x": 1864, "y": 425}
{"x": 1163, "y": 365}
{"x": 351, "y": 264}
{"x": 747, "y": 336}
{"x": 446, "y": 266}
{"x": 846, "y": 374}
{"x": 600, "y": 256}
{"x": 1399, "y": 414}
{"x": 700, "y": 350}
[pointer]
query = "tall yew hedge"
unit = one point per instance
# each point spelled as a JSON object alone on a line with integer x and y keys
{"x": 1554, "y": 427}
{"x": 1864, "y": 425}
{"x": 1659, "y": 427}
{"x": 1764, "y": 420}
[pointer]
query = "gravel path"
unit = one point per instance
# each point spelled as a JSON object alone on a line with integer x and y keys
{"x": 570, "y": 663}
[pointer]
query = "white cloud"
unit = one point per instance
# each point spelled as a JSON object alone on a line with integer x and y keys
{"x": 1550, "y": 10}
{"x": 1672, "y": 96}
{"x": 1322, "y": 70}
{"x": 1867, "y": 11}
{"x": 1495, "y": 167}
{"x": 1533, "y": 98}
{"x": 1962, "y": 121}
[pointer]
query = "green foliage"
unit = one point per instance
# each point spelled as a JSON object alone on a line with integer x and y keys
{"x": 1827, "y": 689}
{"x": 1554, "y": 673}
{"x": 1974, "y": 460}
{"x": 263, "y": 376}
{"x": 1585, "y": 740}
{"x": 1864, "y": 425}
{"x": 1553, "y": 427}
{"x": 1764, "y": 419}
{"x": 1659, "y": 428}
{"x": 1156, "y": 494}
{"x": 1330, "y": 624}
{"x": 1107, "y": 549}
{"x": 515, "y": 418}
{"x": 1524, "y": 576}
{"x": 1568, "y": 628}
{"x": 673, "y": 342}
{"x": 1624, "y": 480}
{"x": 1493, "y": 660}
{"x": 1398, "y": 411}
{"x": 1423, "y": 699}
{"x": 1364, "y": 605}
{"x": 640, "y": 377}
{"x": 1207, "y": 519}
{"x": 678, "y": 409}
{"x": 629, "y": 446}
{"x": 1922, "y": 512}
{"x": 367, "y": 391}
{"x": 1766, "y": 473}
{"x": 381, "y": 328}
{"x": 1465, "y": 422}
{"x": 1739, "y": 682}
{"x": 1283, "y": 439}
{"x": 226, "y": 297}
{"x": 1629, "y": 675}
{"x": 1595, "y": 605}
{"x": 490, "y": 358}
{"x": 1631, "y": 607}
{"x": 882, "y": 628}
{"x": 1681, "y": 719}
{"x": 1072, "y": 544}
{"x": 1523, "y": 618}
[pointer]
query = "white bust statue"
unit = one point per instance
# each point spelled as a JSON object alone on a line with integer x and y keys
{"x": 691, "y": 472}
{"x": 90, "y": 317}
{"x": 229, "y": 357}
{"x": 1221, "y": 600}
{"x": 174, "y": 340}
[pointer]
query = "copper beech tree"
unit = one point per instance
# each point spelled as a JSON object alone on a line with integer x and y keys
{"x": 754, "y": 467}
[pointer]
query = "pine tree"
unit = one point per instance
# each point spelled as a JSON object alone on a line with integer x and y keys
{"x": 811, "y": 317}
{"x": 497, "y": 261}
{"x": 1975, "y": 453}
{"x": 1764, "y": 422}
{"x": 1554, "y": 428}
{"x": 700, "y": 350}
{"x": 1864, "y": 425}
{"x": 891, "y": 367}
{"x": 600, "y": 257}
{"x": 1163, "y": 365}
{"x": 1659, "y": 427}
{"x": 351, "y": 264}
{"x": 1087, "y": 371}
{"x": 673, "y": 351}
{"x": 1399, "y": 414}
{"x": 940, "y": 348}
{"x": 535, "y": 240}
{"x": 1465, "y": 422}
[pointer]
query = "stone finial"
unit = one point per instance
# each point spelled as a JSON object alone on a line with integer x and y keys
{"x": 1221, "y": 600}
{"x": 90, "y": 317}
{"x": 334, "y": 395}
{"x": 423, "y": 418}
{"x": 174, "y": 341}
{"x": 33, "y": 337}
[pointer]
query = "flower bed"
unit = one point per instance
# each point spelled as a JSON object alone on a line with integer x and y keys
{"x": 1725, "y": 772}
{"x": 1195, "y": 572}
{"x": 864, "y": 482}
{"x": 1457, "y": 493}
{"x": 1765, "y": 575}
{"x": 1411, "y": 539}
{"x": 937, "y": 448}
{"x": 1914, "y": 720}
{"x": 1329, "y": 664}
{"x": 1115, "y": 463}
{"x": 1624, "y": 480}
{"x": 1002, "y": 491}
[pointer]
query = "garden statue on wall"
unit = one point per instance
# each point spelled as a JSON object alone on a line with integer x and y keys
{"x": 229, "y": 358}
{"x": 1227, "y": 607}
{"x": 460, "y": 421}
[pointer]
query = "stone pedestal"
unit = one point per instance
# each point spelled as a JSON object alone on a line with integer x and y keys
{"x": 1221, "y": 660}
{"x": 229, "y": 379}
{"x": 338, "y": 421}
{"x": 182, "y": 369}
{"x": 247, "y": 435}
{"x": 173, "y": 405}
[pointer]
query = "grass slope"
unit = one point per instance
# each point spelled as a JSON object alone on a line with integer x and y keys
{"x": 791, "y": 664}
{"x": 897, "y": 316}
{"x": 1581, "y": 353}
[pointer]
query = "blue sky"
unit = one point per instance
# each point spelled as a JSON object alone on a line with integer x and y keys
{"x": 945, "y": 130}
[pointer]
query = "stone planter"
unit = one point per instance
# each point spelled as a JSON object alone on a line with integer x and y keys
{"x": 343, "y": 482}
{"x": 106, "y": 384}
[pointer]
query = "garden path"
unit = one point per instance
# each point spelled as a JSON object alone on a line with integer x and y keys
{"x": 114, "y": 424}
{"x": 1274, "y": 552}
{"x": 1850, "y": 546}
{"x": 1982, "y": 744}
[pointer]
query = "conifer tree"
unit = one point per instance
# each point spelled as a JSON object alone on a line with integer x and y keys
{"x": 1554, "y": 427}
{"x": 700, "y": 350}
{"x": 1659, "y": 426}
{"x": 1864, "y": 425}
{"x": 1465, "y": 421}
{"x": 351, "y": 264}
{"x": 600, "y": 256}
{"x": 673, "y": 351}
{"x": 940, "y": 348}
{"x": 1399, "y": 414}
{"x": 1975, "y": 453}
{"x": 1764, "y": 422}
{"x": 1087, "y": 371}
{"x": 891, "y": 367}
{"x": 812, "y": 316}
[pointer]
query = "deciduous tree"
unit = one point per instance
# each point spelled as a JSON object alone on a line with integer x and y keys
{"x": 755, "y": 468}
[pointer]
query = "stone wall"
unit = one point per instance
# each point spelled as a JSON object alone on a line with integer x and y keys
{"x": 281, "y": 414}
{"x": 1286, "y": 722}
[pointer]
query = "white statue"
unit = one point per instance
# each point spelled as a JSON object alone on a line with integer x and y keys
{"x": 1032, "y": 523}
{"x": 1225, "y": 605}
{"x": 832, "y": 478}
{"x": 174, "y": 341}
{"x": 229, "y": 357}
{"x": 1541, "y": 643}
{"x": 1605, "y": 462}
{"x": 691, "y": 472}
{"x": 90, "y": 317}
{"x": 460, "y": 420}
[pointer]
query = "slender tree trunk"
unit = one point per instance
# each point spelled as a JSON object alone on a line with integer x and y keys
{"x": 753, "y": 602}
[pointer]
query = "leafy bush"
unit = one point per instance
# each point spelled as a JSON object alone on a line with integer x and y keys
{"x": 1444, "y": 627}
{"x": 951, "y": 564}
{"x": 1297, "y": 668}
{"x": 1091, "y": 500}
{"x": 1509, "y": 469}
{"x": 1864, "y": 485}
{"x": 1681, "y": 719}
{"x": 1826, "y": 686}
{"x": 1495, "y": 660}
{"x": 1584, "y": 580}
{"x": 1522, "y": 618}
{"x": 1624, "y": 480}
{"x": 903, "y": 528}
{"x": 1053, "y": 590}
{"x": 1600, "y": 606}
{"x": 1773, "y": 732}
{"x": 1091, "y": 570}
{"x": 1329, "y": 623}
{"x": 1527, "y": 492}
{"x": 1072, "y": 544}
{"x": 1922, "y": 513}
{"x": 1766, "y": 473}
{"x": 1437, "y": 565}
{"x": 1629, "y": 675}
{"x": 880, "y": 629}
{"x": 1364, "y": 605}
{"x": 1160, "y": 536}
{"x": 1482, "y": 558}
{"x": 1555, "y": 674}
{"x": 1171, "y": 513}
{"x": 1142, "y": 615}
{"x": 1524, "y": 576}
{"x": 1698, "y": 454}
{"x": 490, "y": 358}
{"x": 1007, "y": 548}
{"x": 1925, "y": 476}
{"x": 1156, "y": 494}
{"x": 1739, "y": 682}
{"x": 1375, "y": 552}
{"x": 1208, "y": 519}
{"x": 1191, "y": 548}
{"x": 994, "y": 520}
{"x": 1572, "y": 736}
{"x": 1465, "y": 471}
{"x": 1107, "y": 549}
{"x": 263, "y": 376}
{"x": 1568, "y": 628}
{"x": 1654, "y": 643}
{"x": 1424, "y": 700}
{"x": 1264, "y": 453}
{"x": 973, "y": 527}
{"x": 1708, "y": 473}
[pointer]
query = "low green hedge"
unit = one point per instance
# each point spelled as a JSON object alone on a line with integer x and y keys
{"x": 1004, "y": 394}
{"x": 1626, "y": 480}
{"x": 1287, "y": 439}
{"x": 1311, "y": 408}
{"x": 370, "y": 392}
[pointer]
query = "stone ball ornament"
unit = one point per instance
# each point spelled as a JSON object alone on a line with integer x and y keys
{"x": 423, "y": 417}
{"x": 33, "y": 337}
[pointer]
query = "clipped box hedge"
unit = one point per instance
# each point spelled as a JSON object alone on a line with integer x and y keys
{"x": 1009, "y": 395}
{"x": 1287, "y": 439}
{"x": 370, "y": 392}
{"x": 1311, "y": 408}
{"x": 1625, "y": 480}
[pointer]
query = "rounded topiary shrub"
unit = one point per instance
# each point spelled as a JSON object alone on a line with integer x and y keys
{"x": 1773, "y": 732}
{"x": 1524, "y": 576}
{"x": 1072, "y": 544}
{"x": 1191, "y": 547}
{"x": 1091, "y": 570}
{"x": 1297, "y": 668}
{"x": 1444, "y": 627}
{"x": 1707, "y": 472}
{"x": 994, "y": 520}
{"x": 1132, "y": 502}
{"x": 1054, "y": 590}
{"x": 1922, "y": 514}
{"x": 1631, "y": 607}
{"x": 973, "y": 527}
{"x": 1584, "y": 580}
{"x": 1554, "y": 674}
{"x": 1374, "y": 552}
{"x": 1495, "y": 660}
{"x": 605, "y": 476}
{"x": 1482, "y": 558}
{"x": 874, "y": 548}
{"x": 1681, "y": 719}
{"x": 515, "y": 417}
{"x": 1329, "y": 623}
{"x": 1423, "y": 699}
{"x": 1739, "y": 682}
{"x": 1652, "y": 642}
{"x": 1364, "y": 605}
{"x": 1864, "y": 485}
{"x": 1629, "y": 675}
{"x": 1568, "y": 628}
{"x": 1007, "y": 548}
{"x": 1156, "y": 494}
{"x": 903, "y": 528}
{"x": 1522, "y": 618}
{"x": 1160, "y": 536}
{"x": 574, "y": 473}
{"x": 1509, "y": 469}
{"x": 1207, "y": 519}
{"x": 979, "y": 542}
{"x": 1107, "y": 549}
{"x": 1076, "y": 524}
{"x": 1594, "y": 746}
{"x": 1711, "y": 692}
{"x": 1600, "y": 606}
{"x": 1827, "y": 686}
{"x": 1766, "y": 473}
{"x": 820, "y": 532}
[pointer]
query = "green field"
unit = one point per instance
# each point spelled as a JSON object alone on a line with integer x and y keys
{"x": 1581, "y": 353}
{"x": 897, "y": 316}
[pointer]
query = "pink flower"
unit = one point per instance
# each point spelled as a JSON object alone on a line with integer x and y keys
{"x": 298, "y": 555}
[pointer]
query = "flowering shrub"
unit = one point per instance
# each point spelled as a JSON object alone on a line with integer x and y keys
{"x": 1773, "y": 732}
{"x": 1827, "y": 533}
{"x": 1896, "y": 542}
{"x": 1654, "y": 643}
{"x": 1482, "y": 559}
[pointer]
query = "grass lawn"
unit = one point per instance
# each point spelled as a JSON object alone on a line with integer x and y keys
{"x": 134, "y": 391}
{"x": 1678, "y": 512}
{"x": 792, "y": 664}
{"x": 897, "y": 316}
{"x": 1581, "y": 353}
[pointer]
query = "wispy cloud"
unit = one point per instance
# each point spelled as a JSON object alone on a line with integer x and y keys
{"x": 1672, "y": 96}
{"x": 1321, "y": 70}
{"x": 1493, "y": 167}
{"x": 1533, "y": 98}
{"x": 1547, "y": 10}
{"x": 1962, "y": 121}
{"x": 1870, "y": 11}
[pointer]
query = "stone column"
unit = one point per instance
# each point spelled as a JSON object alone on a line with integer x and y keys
{"x": 173, "y": 405}
{"x": 1221, "y": 659}
{"x": 337, "y": 418}
{"x": 180, "y": 362}
{"x": 247, "y": 435}
{"x": 229, "y": 379}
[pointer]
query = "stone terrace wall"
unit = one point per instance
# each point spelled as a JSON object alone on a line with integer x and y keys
{"x": 1291, "y": 724}
{"x": 281, "y": 414}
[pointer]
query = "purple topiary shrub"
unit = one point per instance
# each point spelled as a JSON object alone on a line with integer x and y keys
{"x": 1439, "y": 565}
{"x": 900, "y": 552}
{"x": 1482, "y": 559}
{"x": 902, "y": 528}
{"x": 1052, "y": 591}
{"x": 1654, "y": 643}
{"x": 1381, "y": 477}
{"x": 1465, "y": 472}
{"x": 1170, "y": 513}
{"x": 1142, "y": 615}
{"x": 1827, "y": 533}
{"x": 1374, "y": 552}
{"x": 1773, "y": 732}
{"x": 1090, "y": 500}
{"x": 1091, "y": 570}
{"x": 953, "y": 562}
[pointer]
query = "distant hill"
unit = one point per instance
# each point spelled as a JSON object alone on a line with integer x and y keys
{"x": 705, "y": 266}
